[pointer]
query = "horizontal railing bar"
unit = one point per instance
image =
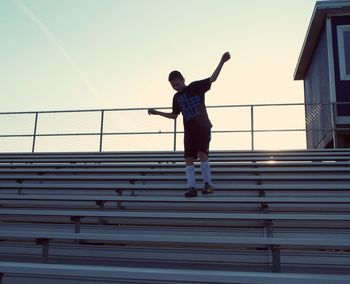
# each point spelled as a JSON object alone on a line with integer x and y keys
{"x": 146, "y": 108}
{"x": 163, "y": 132}
{"x": 78, "y": 110}
{"x": 257, "y": 105}
{"x": 16, "y": 135}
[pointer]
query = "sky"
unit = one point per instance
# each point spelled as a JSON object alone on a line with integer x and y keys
{"x": 107, "y": 54}
{"x": 83, "y": 54}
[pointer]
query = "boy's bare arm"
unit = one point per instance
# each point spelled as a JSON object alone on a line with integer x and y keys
{"x": 161, "y": 113}
{"x": 225, "y": 57}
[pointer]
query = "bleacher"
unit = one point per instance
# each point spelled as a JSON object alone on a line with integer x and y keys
{"x": 120, "y": 217}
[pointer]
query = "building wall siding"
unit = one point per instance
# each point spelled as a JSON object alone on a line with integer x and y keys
{"x": 317, "y": 97}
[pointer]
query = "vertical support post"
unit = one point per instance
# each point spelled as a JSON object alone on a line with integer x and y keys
{"x": 101, "y": 129}
{"x": 331, "y": 75}
{"x": 264, "y": 208}
{"x": 334, "y": 124}
{"x": 34, "y": 134}
{"x": 252, "y": 125}
{"x": 269, "y": 227}
{"x": 1, "y": 277}
{"x": 119, "y": 203}
{"x": 175, "y": 130}
{"x": 45, "y": 250}
{"x": 276, "y": 258}
{"x": 77, "y": 223}
{"x": 101, "y": 206}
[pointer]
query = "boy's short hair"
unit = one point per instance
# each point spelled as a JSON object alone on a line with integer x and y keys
{"x": 175, "y": 75}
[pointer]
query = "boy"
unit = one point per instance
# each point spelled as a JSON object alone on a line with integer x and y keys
{"x": 190, "y": 101}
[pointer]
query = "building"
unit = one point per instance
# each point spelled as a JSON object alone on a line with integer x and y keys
{"x": 324, "y": 65}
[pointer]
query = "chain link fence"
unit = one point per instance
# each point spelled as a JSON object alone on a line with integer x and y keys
{"x": 236, "y": 127}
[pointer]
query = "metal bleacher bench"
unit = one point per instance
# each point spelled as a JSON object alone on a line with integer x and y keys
{"x": 120, "y": 187}
{"x": 280, "y": 236}
{"x": 274, "y": 244}
{"x": 116, "y": 178}
{"x": 177, "y": 215}
{"x": 171, "y": 199}
{"x": 175, "y": 156}
{"x": 121, "y": 275}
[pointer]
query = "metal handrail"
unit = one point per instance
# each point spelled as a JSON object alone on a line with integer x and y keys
{"x": 103, "y": 133}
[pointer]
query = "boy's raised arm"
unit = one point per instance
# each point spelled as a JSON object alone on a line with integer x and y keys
{"x": 225, "y": 57}
{"x": 170, "y": 115}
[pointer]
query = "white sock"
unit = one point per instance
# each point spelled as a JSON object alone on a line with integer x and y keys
{"x": 206, "y": 172}
{"x": 190, "y": 175}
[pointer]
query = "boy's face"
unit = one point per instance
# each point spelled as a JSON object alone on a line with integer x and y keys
{"x": 178, "y": 84}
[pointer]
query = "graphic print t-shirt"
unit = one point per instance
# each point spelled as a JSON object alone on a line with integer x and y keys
{"x": 191, "y": 103}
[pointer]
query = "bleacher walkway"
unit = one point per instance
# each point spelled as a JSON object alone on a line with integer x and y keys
{"x": 120, "y": 217}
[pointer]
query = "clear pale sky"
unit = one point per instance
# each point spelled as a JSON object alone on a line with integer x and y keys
{"x": 90, "y": 54}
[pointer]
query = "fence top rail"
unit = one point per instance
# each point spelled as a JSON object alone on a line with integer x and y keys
{"x": 146, "y": 108}
{"x": 168, "y": 107}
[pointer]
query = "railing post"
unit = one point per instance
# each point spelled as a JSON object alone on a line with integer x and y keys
{"x": 35, "y": 128}
{"x": 175, "y": 130}
{"x": 101, "y": 129}
{"x": 252, "y": 125}
{"x": 334, "y": 124}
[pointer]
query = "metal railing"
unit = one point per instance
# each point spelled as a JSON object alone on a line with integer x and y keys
{"x": 262, "y": 126}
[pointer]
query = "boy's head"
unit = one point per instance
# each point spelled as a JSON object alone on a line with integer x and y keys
{"x": 177, "y": 81}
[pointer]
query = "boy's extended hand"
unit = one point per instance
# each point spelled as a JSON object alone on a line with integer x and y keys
{"x": 225, "y": 57}
{"x": 161, "y": 113}
{"x": 151, "y": 111}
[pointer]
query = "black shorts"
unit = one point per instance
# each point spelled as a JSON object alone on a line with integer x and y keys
{"x": 197, "y": 140}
